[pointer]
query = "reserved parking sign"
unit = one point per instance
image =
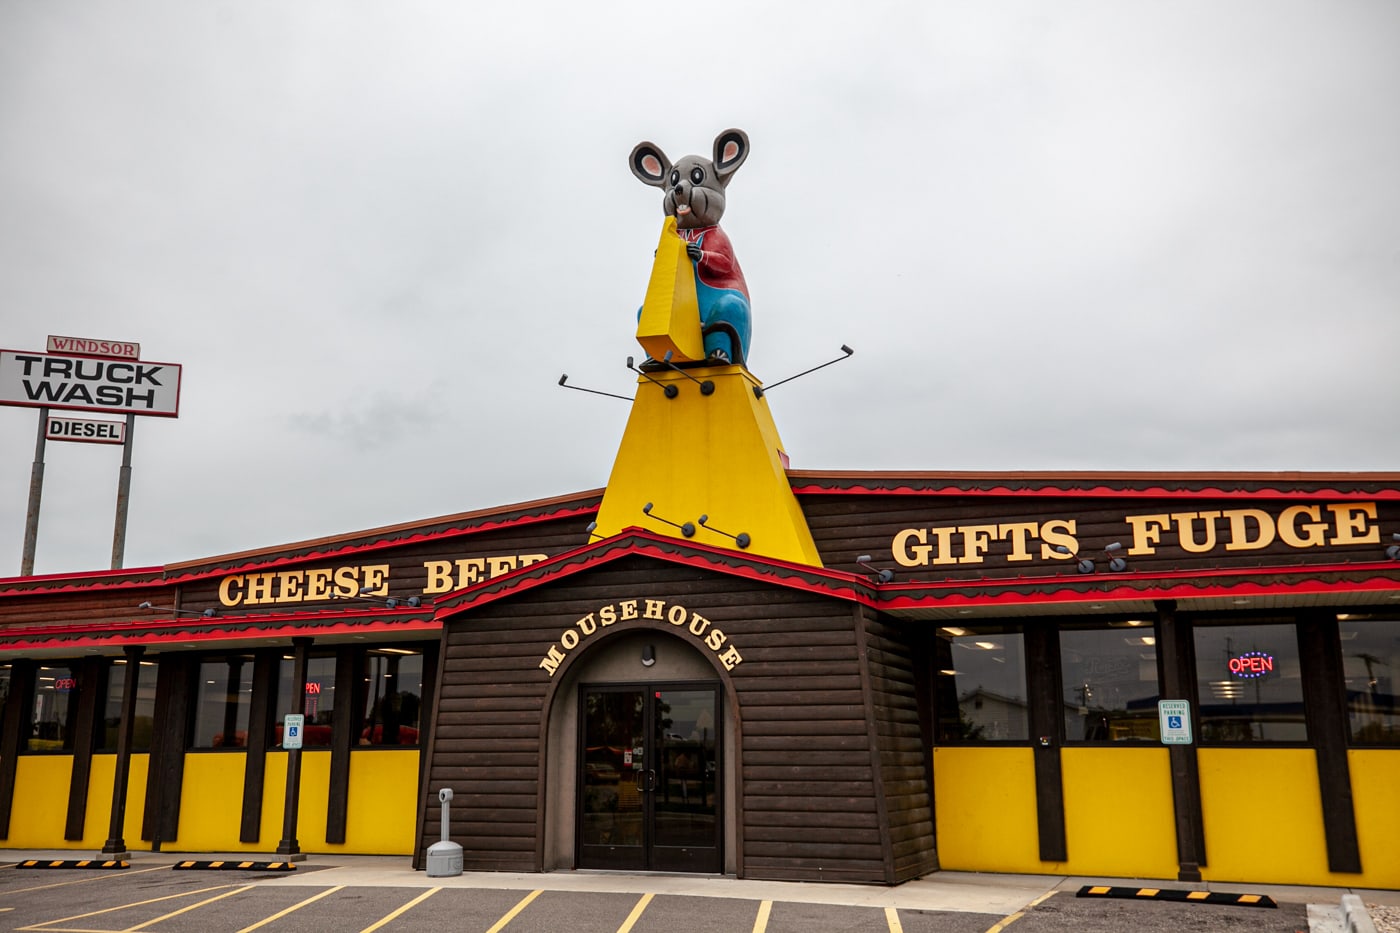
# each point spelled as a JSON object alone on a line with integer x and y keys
{"x": 291, "y": 730}
{"x": 1175, "y": 719}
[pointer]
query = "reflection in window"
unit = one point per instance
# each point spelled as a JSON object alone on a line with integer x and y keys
{"x": 145, "y": 706}
{"x": 1370, "y": 658}
{"x": 393, "y": 697}
{"x": 1249, "y": 683}
{"x": 318, "y": 704}
{"x": 222, "y": 702}
{"x": 1109, "y": 677}
{"x": 55, "y": 709}
{"x": 981, "y": 685}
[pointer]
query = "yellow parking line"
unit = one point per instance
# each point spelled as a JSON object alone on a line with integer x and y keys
{"x": 102, "y": 877}
{"x": 108, "y": 910}
{"x": 998, "y": 927}
{"x": 636, "y": 913}
{"x": 402, "y": 910}
{"x": 185, "y": 910}
{"x": 282, "y": 913}
{"x": 892, "y": 918}
{"x": 760, "y": 923}
{"x": 525, "y": 902}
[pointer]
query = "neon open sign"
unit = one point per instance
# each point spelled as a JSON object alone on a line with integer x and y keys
{"x": 1252, "y": 664}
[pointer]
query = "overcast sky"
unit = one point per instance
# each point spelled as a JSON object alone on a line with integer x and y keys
{"x": 1110, "y": 236}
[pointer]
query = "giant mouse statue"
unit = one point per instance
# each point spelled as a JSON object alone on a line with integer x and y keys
{"x": 694, "y": 189}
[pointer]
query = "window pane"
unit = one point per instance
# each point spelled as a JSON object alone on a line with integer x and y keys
{"x": 55, "y": 709}
{"x": 393, "y": 697}
{"x": 318, "y": 704}
{"x": 145, "y": 706}
{"x": 1370, "y": 658}
{"x": 1249, "y": 683}
{"x": 981, "y": 685}
{"x": 221, "y": 703}
{"x": 1110, "y": 684}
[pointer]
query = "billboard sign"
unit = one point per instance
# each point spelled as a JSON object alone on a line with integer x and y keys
{"x": 88, "y": 430}
{"x": 89, "y": 383}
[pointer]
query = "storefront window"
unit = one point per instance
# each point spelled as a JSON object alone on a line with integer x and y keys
{"x": 981, "y": 685}
{"x": 1370, "y": 663}
{"x": 145, "y": 706}
{"x": 55, "y": 709}
{"x": 1109, "y": 677}
{"x": 222, "y": 702}
{"x": 318, "y": 704}
{"x": 393, "y": 697}
{"x": 1249, "y": 683}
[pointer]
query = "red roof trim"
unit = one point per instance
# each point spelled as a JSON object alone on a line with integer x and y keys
{"x": 636, "y": 541}
{"x": 312, "y": 556}
{"x": 1092, "y": 492}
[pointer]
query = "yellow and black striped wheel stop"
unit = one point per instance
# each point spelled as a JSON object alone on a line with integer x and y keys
{"x": 73, "y": 863}
{"x": 1169, "y": 894}
{"x": 233, "y": 865}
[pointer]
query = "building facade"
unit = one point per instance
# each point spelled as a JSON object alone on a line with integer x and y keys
{"x": 968, "y": 678}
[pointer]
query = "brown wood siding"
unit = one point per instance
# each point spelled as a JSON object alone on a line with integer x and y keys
{"x": 845, "y": 527}
{"x": 903, "y": 773}
{"x": 808, "y": 795}
{"x": 56, "y": 609}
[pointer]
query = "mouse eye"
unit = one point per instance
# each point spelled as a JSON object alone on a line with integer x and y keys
{"x": 697, "y": 175}
{"x": 675, "y": 177}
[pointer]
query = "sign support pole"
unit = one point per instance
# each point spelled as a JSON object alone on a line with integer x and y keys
{"x": 123, "y": 496}
{"x": 36, "y": 493}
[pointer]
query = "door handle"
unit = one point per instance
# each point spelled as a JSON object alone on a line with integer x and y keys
{"x": 651, "y": 780}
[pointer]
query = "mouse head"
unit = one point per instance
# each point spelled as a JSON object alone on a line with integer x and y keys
{"x": 695, "y": 185}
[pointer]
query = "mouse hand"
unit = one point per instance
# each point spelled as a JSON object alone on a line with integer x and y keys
{"x": 694, "y": 251}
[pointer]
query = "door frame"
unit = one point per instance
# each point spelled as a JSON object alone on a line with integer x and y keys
{"x": 653, "y": 857}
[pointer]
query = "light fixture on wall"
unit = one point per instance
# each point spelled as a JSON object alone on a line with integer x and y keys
{"x": 648, "y": 655}
{"x": 207, "y": 613}
{"x": 1116, "y": 561}
{"x": 389, "y": 602}
{"x": 706, "y": 388}
{"x": 742, "y": 538}
{"x": 758, "y": 391}
{"x": 688, "y": 529}
{"x": 564, "y": 381}
{"x": 884, "y": 575}
{"x": 668, "y": 388}
{"x": 1393, "y": 552}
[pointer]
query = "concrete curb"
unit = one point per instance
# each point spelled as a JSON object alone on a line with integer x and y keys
{"x": 1356, "y": 919}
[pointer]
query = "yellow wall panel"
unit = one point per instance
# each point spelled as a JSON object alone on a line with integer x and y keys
{"x": 40, "y": 805}
{"x": 1375, "y": 788}
{"x": 984, "y": 802}
{"x": 383, "y": 816}
{"x": 1119, "y": 819}
{"x": 1262, "y": 810}
{"x": 211, "y": 805}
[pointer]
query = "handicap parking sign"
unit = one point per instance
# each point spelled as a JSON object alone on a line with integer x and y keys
{"x": 1174, "y": 717}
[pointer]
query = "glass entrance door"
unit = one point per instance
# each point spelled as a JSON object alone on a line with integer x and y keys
{"x": 649, "y": 778}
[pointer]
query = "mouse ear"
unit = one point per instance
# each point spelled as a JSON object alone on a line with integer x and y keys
{"x": 731, "y": 149}
{"x": 650, "y": 164}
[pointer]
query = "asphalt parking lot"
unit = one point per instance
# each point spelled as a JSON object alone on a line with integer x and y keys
{"x": 150, "y": 896}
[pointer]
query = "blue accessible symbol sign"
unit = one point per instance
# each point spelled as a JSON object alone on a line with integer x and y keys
{"x": 291, "y": 730}
{"x": 1174, "y": 717}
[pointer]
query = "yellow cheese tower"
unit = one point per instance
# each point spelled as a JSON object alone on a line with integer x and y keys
{"x": 717, "y": 455}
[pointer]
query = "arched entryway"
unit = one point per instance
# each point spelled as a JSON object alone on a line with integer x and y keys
{"x": 639, "y": 760}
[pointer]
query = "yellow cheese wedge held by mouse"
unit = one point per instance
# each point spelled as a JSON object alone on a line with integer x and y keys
{"x": 670, "y": 318}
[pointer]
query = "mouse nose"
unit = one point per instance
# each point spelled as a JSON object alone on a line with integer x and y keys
{"x": 679, "y": 190}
